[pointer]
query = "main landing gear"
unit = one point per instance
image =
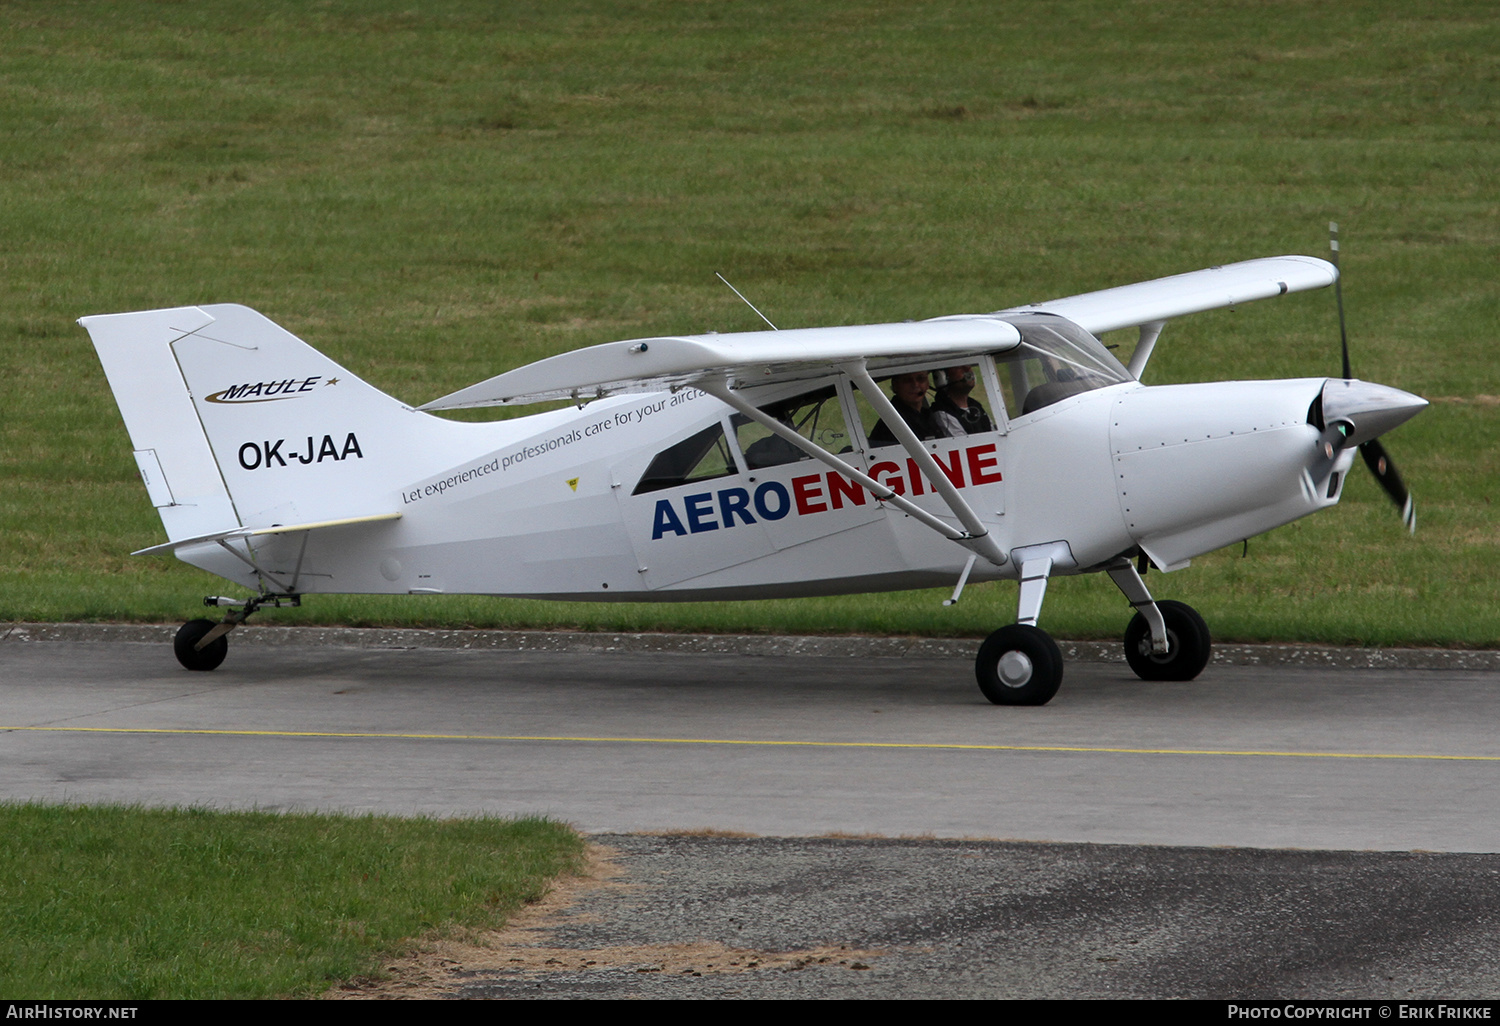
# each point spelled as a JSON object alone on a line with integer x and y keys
{"x": 1022, "y": 665}
{"x": 1188, "y": 644}
{"x": 201, "y": 644}
{"x": 1019, "y": 665}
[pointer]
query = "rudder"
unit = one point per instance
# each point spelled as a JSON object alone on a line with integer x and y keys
{"x": 171, "y": 450}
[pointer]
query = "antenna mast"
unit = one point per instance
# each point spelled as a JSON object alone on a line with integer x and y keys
{"x": 747, "y": 302}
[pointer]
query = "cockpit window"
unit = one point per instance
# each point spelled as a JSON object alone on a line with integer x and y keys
{"x": 927, "y": 399}
{"x": 1056, "y": 359}
{"x": 701, "y": 457}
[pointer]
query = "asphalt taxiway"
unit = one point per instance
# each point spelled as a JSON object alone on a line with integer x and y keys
{"x": 894, "y": 742}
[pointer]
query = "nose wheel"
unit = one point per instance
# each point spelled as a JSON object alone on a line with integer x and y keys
{"x": 1019, "y": 665}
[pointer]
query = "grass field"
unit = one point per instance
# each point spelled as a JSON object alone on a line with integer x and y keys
{"x": 432, "y": 196}
{"x": 107, "y": 902}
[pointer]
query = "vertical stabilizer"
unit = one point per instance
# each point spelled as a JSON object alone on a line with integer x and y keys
{"x": 236, "y": 422}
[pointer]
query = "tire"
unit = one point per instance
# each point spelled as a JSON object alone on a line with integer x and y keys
{"x": 1019, "y": 665}
{"x": 188, "y": 635}
{"x": 1188, "y": 642}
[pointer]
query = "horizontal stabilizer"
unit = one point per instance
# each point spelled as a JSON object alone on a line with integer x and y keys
{"x": 1162, "y": 299}
{"x": 249, "y": 532}
{"x": 747, "y": 358}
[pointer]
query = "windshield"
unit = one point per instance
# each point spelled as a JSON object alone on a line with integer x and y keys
{"x": 1056, "y": 359}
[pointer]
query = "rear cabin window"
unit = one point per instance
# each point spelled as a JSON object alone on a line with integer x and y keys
{"x": 814, "y": 415}
{"x": 701, "y": 457}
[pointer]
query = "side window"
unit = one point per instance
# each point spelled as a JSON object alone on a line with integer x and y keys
{"x": 911, "y": 394}
{"x": 940, "y": 402}
{"x": 701, "y": 457}
{"x": 1018, "y": 376}
{"x": 814, "y": 415}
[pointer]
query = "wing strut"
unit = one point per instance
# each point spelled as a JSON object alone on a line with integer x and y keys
{"x": 982, "y": 543}
{"x": 1150, "y": 332}
{"x": 978, "y": 539}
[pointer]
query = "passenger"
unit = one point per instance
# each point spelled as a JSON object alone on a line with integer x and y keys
{"x": 909, "y": 396}
{"x": 955, "y": 413}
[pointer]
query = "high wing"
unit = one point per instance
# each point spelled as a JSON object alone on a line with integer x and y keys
{"x": 745, "y": 358}
{"x": 1162, "y": 299}
{"x": 768, "y": 357}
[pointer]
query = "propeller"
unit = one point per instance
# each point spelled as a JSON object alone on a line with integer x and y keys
{"x": 1370, "y": 449}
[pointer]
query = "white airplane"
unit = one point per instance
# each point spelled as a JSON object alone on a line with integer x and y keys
{"x": 750, "y": 465}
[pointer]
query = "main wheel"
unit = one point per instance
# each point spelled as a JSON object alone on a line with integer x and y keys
{"x": 1188, "y": 644}
{"x": 189, "y": 635}
{"x": 1019, "y": 665}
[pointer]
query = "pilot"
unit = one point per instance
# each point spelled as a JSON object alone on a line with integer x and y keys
{"x": 955, "y": 413}
{"x": 909, "y": 396}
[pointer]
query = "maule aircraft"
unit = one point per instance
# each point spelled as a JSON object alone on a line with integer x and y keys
{"x": 1010, "y": 445}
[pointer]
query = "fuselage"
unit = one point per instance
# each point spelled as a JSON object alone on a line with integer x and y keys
{"x": 556, "y": 505}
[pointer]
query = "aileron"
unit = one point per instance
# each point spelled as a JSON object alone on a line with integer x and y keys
{"x": 1163, "y": 299}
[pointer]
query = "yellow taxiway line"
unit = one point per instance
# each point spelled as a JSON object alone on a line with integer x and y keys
{"x": 751, "y": 742}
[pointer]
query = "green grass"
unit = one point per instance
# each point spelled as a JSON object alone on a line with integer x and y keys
{"x": 433, "y": 196}
{"x": 129, "y": 903}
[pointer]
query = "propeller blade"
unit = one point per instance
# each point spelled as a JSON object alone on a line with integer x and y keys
{"x": 1390, "y": 479}
{"x": 1338, "y": 291}
{"x": 1379, "y": 408}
